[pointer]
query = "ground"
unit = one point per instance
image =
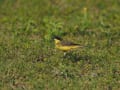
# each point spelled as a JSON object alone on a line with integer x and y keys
{"x": 28, "y": 59}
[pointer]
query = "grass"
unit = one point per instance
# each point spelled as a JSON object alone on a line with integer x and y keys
{"x": 28, "y": 59}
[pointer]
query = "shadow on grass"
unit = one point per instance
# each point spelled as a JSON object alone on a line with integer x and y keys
{"x": 76, "y": 57}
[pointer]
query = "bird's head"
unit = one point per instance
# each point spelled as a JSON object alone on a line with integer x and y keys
{"x": 57, "y": 39}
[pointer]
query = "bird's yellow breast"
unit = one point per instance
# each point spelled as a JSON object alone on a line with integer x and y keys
{"x": 66, "y": 48}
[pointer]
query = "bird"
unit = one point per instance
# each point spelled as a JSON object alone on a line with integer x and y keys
{"x": 65, "y": 45}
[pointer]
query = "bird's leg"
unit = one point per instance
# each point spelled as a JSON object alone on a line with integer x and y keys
{"x": 64, "y": 53}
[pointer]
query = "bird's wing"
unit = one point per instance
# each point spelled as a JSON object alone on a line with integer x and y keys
{"x": 64, "y": 43}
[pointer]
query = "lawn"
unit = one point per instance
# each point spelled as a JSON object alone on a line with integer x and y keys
{"x": 29, "y": 60}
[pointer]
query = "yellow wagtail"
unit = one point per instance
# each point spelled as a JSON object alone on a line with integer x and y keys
{"x": 65, "y": 45}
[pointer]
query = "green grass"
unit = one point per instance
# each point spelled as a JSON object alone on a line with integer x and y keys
{"x": 28, "y": 59}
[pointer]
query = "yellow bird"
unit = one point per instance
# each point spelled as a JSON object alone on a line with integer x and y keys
{"x": 65, "y": 45}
